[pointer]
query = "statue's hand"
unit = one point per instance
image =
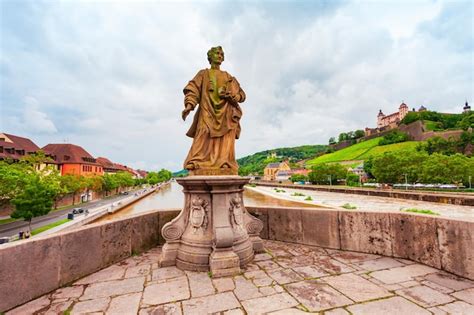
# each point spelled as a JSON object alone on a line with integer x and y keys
{"x": 186, "y": 111}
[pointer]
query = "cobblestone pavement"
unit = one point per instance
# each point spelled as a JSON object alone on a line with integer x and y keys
{"x": 288, "y": 279}
{"x": 368, "y": 203}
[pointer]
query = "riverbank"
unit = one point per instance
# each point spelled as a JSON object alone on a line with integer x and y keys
{"x": 354, "y": 202}
{"x": 464, "y": 199}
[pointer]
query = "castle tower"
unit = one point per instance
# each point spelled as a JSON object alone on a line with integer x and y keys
{"x": 402, "y": 111}
{"x": 466, "y": 108}
{"x": 380, "y": 117}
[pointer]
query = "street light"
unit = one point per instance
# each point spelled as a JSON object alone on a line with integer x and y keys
{"x": 406, "y": 182}
{"x": 330, "y": 180}
{"x": 470, "y": 182}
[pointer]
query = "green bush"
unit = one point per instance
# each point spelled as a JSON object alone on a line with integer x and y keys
{"x": 394, "y": 136}
{"x": 352, "y": 179}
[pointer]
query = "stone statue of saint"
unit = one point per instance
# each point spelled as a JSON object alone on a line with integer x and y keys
{"x": 216, "y": 122}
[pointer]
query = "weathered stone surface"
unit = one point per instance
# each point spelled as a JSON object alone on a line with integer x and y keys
{"x": 270, "y": 303}
{"x": 96, "y": 305}
{"x": 200, "y": 284}
{"x": 236, "y": 311}
{"x": 317, "y": 296}
{"x": 166, "y": 273}
{"x": 259, "y": 278}
{"x": 268, "y": 264}
{"x": 320, "y": 228}
{"x": 425, "y": 296}
{"x": 456, "y": 241}
{"x": 289, "y": 311}
{"x": 113, "y": 272}
{"x": 367, "y": 232}
{"x": 74, "y": 263}
{"x": 165, "y": 217}
{"x": 285, "y": 225}
{"x": 465, "y": 295}
{"x": 145, "y": 232}
{"x": 211, "y": 304}
{"x": 260, "y": 213}
{"x": 30, "y": 307}
{"x": 391, "y": 306}
{"x": 224, "y": 284}
{"x": 284, "y": 276}
{"x": 262, "y": 256}
{"x": 458, "y": 307}
{"x": 349, "y": 257}
{"x": 309, "y": 272}
{"x": 331, "y": 265}
{"x": 415, "y": 237}
{"x": 58, "y": 308}
{"x": 111, "y": 288}
{"x": 137, "y": 271}
{"x": 450, "y": 281}
{"x": 69, "y": 292}
{"x": 170, "y": 291}
{"x": 116, "y": 241}
{"x": 378, "y": 264}
{"x": 125, "y": 304}
{"x": 42, "y": 272}
{"x": 245, "y": 289}
{"x": 402, "y": 274}
{"x": 295, "y": 261}
{"x": 357, "y": 288}
{"x": 166, "y": 309}
{"x": 337, "y": 311}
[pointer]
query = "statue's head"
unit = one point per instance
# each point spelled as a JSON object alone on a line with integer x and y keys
{"x": 215, "y": 55}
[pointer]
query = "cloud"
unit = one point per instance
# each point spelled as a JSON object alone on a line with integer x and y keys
{"x": 109, "y": 75}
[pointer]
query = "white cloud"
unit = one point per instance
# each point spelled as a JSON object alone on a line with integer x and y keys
{"x": 110, "y": 74}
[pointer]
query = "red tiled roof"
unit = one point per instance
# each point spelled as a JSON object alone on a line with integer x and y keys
{"x": 66, "y": 153}
{"x": 23, "y": 143}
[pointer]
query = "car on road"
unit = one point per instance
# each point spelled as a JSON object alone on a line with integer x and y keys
{"x": 77, "y": 210}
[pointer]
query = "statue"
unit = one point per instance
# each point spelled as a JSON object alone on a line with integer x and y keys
{"x": 216, "y": 122}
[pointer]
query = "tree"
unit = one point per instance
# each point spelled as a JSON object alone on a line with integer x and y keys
{"x": 343, "y": 137}
{"x": 394, "y": 136}
{"x": 439, "y": 145}
{"x": 35, "y": 200}
{"x": 444, "y": 169}
{"x": 359, "y": 134}
{"x": 392, "y": 167}
{"x": 298, "y": 178}
{"x": 124, "y": 179}
{"x": 327, "y": 173}
{"x": 352, "y": 179}
{"x": 13, "y": 178}
{"x": 71, "y": 184}
{"x": 109, "y": 183}
{"x": 332, "y": 140}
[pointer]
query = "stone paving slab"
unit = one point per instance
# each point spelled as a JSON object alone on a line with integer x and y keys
{"x": 288, "y": 279}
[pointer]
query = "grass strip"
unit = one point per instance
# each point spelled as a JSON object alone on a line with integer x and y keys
{"x": 49, "y": 226}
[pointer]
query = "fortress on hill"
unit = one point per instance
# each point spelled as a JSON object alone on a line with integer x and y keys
{"x": 391, "y": 121}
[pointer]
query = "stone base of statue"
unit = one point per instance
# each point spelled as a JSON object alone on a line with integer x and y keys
{"x": 214, "y": 232}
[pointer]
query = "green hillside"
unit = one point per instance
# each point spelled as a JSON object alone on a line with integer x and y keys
{"x": 362, "y": 151}
{"x": 255, "y": 163}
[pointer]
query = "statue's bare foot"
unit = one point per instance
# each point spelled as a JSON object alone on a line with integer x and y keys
{"x": 225, "y": 165}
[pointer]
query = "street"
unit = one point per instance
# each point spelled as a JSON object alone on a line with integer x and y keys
{"x": 10, "y": 229}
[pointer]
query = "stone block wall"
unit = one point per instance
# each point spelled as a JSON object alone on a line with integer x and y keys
{"x": 445, "y": 244}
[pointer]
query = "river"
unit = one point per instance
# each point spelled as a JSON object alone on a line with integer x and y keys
{"x": 170, "y": 196}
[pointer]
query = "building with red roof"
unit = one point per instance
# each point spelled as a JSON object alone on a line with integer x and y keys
{"x": 15, "y": 147}
{"x": 73, "y": 159}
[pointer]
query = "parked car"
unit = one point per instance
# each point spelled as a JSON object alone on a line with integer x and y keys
{"x": 124, "y": 193}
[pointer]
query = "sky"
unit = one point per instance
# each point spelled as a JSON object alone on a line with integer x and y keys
{"x": 109, "y": 75}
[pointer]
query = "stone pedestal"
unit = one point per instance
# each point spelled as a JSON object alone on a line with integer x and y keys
{"x": 214, "y": 231}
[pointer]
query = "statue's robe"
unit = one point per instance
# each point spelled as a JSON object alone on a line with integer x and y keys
{"x": 216, "y": 122}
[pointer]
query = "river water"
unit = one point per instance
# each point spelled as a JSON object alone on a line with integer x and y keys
{"x": 170, "y": 196}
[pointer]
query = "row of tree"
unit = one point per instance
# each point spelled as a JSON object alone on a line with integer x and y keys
{"x": 34, "y": 190}
{"x": 347, "y": 136}
{"x": 396, "y": 167}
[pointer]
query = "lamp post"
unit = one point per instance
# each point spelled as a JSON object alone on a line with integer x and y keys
{"x": 470, "y": 187}
{"x": 406, "y": 182}
{"x": 330, "y": 180}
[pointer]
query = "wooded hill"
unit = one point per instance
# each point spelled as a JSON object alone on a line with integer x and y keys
{"x": 255, "y": 163}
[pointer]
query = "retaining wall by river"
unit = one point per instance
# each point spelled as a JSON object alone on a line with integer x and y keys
{"x": 442, "y": 197}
